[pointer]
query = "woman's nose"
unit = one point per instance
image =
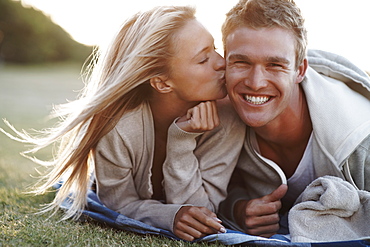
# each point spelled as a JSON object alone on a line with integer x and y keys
{"x": 220, "y": 62}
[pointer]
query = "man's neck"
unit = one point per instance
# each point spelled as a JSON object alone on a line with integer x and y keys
{"x": 284, "y": 141}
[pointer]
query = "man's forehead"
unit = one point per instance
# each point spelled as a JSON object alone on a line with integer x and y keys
{"x": 270, "y": 43}
{"x": 243, "y": 33}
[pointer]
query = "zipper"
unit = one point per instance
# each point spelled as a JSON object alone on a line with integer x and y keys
{"x": 271, "y": 164}
{"x": 347, "y": 174}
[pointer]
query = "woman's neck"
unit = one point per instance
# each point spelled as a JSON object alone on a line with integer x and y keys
{"x": 164, "y": 110}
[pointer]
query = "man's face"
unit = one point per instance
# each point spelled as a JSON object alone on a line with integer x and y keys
{"x": 262, "y": 82}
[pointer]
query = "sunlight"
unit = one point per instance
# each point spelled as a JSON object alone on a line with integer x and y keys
{"x": 333, "y": 25}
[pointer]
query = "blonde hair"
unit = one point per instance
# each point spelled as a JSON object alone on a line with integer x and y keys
{"x": 119, "y": 82}
{"x": 266, "y": 14}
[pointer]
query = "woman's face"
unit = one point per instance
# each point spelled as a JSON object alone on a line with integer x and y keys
{"x": 197, "y": 70}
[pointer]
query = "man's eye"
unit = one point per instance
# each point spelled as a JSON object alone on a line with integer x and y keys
{"x": 241, "y": 62}
{"x": 275, "y": 65}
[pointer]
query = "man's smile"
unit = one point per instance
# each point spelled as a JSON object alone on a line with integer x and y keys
{"x": 256, "y": 100}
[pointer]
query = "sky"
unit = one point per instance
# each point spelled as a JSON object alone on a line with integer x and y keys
{"x": 339, "y": 26}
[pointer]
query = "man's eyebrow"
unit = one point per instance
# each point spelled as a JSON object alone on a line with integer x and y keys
{"x": 273, "y": 59}
{"x": 278, "y": 59}
{"x": 238, "y": 57}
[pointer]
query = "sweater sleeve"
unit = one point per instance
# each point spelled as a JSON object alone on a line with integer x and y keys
{"x": 236, "y": 192}
{"x": 358, "y": 166}
{"x": 198, "y": 167}
{"x": 116, "y": 187}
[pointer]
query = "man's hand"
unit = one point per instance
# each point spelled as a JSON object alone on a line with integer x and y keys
{"x": 260, "y": 216}
{"x": 195, "y": 222}
{"x": 200, "y": 118}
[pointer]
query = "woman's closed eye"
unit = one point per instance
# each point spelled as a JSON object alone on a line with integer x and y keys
{"x": 204, "y": 60}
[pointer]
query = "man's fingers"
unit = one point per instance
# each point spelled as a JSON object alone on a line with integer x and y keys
{"x": 277, "y": 194}
{"x": 260, "y": 216}
{"x": 260, "y": 207}
{"x": 260, "y": 221}
{"x": 263, "y": 225}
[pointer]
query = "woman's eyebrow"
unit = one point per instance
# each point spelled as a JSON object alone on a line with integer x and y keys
{"x": 200, "y": 52}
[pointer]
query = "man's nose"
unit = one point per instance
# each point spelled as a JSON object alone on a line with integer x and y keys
{"x": 256, "y": 78}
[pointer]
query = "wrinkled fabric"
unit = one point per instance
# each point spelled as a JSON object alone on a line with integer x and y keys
{"x": 331, "y": 209}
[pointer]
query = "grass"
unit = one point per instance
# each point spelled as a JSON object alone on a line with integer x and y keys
{"x": 27, "y": 94}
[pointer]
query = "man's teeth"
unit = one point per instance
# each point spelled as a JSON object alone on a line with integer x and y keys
{"x": 257, "y": 100}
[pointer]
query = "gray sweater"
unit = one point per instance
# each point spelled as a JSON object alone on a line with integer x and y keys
{"x": 196, "y": 171}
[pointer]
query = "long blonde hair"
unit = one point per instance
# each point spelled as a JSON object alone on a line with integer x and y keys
{"x": 118, "y": 83}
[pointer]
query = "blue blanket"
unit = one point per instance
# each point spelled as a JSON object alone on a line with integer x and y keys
{"x": 98, "y": 212}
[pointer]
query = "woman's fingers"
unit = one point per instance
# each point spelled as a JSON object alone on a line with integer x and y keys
{"x": 196, "y": 222}
{"x": 200, "y": 118}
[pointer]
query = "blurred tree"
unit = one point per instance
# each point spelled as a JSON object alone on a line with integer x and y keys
{"x": 28, "y": 36}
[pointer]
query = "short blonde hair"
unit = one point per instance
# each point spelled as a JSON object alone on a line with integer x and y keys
{"x": 266, "y": 14}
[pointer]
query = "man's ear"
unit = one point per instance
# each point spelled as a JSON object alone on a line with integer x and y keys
{"x": 302, "y": 69}
{"x": 161, "y": 84}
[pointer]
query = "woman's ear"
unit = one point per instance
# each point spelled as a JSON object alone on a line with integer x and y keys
{"x": 161, "y": 84}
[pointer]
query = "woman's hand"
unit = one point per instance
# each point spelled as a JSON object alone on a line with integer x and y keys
{"x": 195, "y": 222}
{"x": 200, "y": 118}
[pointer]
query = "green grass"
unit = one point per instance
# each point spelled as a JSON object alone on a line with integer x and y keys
{"x": 26, "y": 98}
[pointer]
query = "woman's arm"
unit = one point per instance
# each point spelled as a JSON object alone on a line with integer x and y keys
{"x": 197, "y": 169}
{"x": 116, "y": 188}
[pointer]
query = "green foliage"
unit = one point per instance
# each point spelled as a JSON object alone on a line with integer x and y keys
{"x": 28, "y": 36}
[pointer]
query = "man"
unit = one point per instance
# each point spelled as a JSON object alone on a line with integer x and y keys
{"x": 301, "y": 124}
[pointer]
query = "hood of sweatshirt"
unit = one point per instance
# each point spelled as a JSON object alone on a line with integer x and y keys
{"x": 338, "y": 96}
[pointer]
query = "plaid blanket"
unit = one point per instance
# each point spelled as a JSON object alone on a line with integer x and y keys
{"x": 95, "y": 210}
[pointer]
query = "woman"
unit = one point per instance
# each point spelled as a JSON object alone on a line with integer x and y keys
{"x": 150, "y": 94}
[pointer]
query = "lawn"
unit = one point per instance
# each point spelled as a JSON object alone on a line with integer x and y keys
{"x": 27, "y": 94}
